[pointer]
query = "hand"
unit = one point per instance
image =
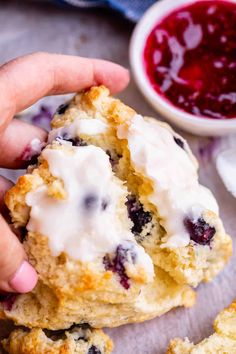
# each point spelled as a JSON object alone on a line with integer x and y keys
{"x": 23, "y": 81}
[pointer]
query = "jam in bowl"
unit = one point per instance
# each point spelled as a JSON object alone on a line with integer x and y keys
{"x": 183, "y": 56}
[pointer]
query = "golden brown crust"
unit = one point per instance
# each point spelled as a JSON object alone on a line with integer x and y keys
{"x": 15, "y": 198}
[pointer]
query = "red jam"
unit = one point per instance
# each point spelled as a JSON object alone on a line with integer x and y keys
{"x": 190, "y": 58}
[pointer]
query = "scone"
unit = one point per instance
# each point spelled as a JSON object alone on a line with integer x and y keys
{"x": 223, "y": 341}
{"x": 174, "y": 218}
{"x": 77, "y": 340}
{"x": 117, "y": 224}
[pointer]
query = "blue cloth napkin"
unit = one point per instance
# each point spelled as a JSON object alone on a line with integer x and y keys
{"x": 131, "y": 9}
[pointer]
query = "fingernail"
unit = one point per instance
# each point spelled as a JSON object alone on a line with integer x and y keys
{"x": 24, "y": 279}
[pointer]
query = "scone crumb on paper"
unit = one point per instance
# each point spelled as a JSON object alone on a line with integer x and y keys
{"x": 223, "y": 341}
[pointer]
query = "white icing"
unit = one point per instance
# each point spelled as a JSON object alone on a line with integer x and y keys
{"x": 83, "y": 233}
{"x": 176, "y": 190}
{"x": 226, "y": 167}
{"x": 36, "y": 145}
{"x": 33, "y": 149}
{"x": 77, "y": 127}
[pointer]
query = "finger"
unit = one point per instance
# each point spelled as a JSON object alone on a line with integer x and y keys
{"x": 15, "y": 144}
{"x": 25, "y": 80}
{"x": 16, "y": 274}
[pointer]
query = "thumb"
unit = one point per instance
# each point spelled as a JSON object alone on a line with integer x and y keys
{"x": 16, "y": 274}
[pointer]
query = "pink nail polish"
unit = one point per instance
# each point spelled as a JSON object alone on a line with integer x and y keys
{"x": 24, "y": 279}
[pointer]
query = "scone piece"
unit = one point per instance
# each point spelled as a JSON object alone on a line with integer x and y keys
{"x": 44, "y": 308}
{"x": 80, "y": 340}
{"x": 173, "y": 217}
{"x": 79, "y": 239}
{"x": 223, "y": 341}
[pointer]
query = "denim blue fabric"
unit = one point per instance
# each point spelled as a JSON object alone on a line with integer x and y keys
{"x": 131, "y": 9}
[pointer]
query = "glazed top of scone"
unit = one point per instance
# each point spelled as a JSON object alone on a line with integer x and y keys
{"x": 83, "y": 223}
{"x": 176, "y": 190}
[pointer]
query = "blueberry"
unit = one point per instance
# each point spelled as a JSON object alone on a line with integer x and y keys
{"x": 116, "y": 265}
{"x": 5, "y": 297}
{"x": 104, "y": 204}
{"x": 62, "y": 108}
{"x": 33, "y": 160}
{"x": 179, "y": 142}
{"x": 30, "y": 155}
{"x": 137, "y": 214}
{"x": 78, "y": 142}
{"x": 94, "y": 350}
{"x": 8, "y": 300}
{"x": 112, "y": 161}
{"x": 75, "y": 141}
{"x": 90, "y": 202}
{"x": 200, "y": 231}
{"x": 113, "y": 158}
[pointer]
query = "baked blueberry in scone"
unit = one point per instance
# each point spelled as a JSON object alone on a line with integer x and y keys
{"x": 223, "y": 341}
{"x": 77, "y": 340}
{"x": 118, "y": 226}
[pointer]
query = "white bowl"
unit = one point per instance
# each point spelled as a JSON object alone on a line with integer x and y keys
{"x": 186, "y": 121}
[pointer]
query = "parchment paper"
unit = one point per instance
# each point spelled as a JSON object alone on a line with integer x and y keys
{"x": 26, "y": 28}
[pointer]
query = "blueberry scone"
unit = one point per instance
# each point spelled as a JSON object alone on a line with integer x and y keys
{"x": 173, "y": 217}
{"x": 77, "y": 340}
{"x": 91, "y": 268}
{"x": 117, "y": 224}
{"x": 223, "y": 341}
